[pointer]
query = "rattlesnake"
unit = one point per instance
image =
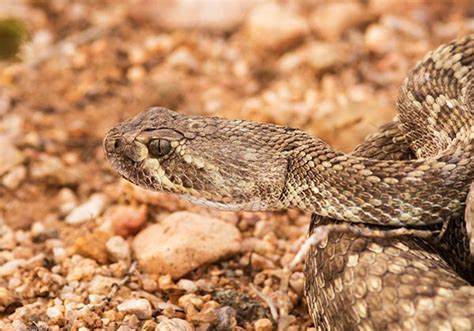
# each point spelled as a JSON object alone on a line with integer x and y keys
{"x": 234, "y": 164}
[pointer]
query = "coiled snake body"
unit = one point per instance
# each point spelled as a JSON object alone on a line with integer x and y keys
{"x": 416, "y": 171}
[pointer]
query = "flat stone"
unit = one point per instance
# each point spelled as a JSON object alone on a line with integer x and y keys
{"x": 184, "y": 241}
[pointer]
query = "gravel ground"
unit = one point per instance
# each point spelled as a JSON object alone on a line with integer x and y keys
{"x": 81, "y": 249}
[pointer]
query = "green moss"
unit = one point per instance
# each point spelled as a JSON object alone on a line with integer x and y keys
{"x": 12, "y": 34}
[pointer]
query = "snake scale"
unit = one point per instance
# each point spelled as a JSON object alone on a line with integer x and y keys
{"x": 416, "y": 171}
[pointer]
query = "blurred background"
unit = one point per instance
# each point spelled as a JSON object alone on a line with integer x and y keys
{"x": 71, "y": 69}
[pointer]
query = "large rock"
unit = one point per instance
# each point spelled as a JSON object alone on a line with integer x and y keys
{"x": 182, "y": 242}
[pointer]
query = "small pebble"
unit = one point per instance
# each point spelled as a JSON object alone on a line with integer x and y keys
{"x": 226, "y": 318}
{"x": 7, "y": 300}
{"x": 174, "y": 324}
{"x": 89, "y": 210}
{"x": 128, "y": 220}
{"x": 188, "y": 285}
{"x": 95, "y": 298}
{"x": 320, "y": 56}
{"x": 336, "y": 18}
{"x": 10, "y": 267}
{"x": 5, "y": 102}
{"x": 136, "y": 55}
{"x": 183, "y": 58}
{"x": 149, "y": 284}
{"x": 101, "y": 285}
{"x": 165, "y": 282}
{"x": 14, "y": 177}
{"x": 263, "y": 324}
{"x": 38, "y": 229}
{"x": 379, "y": 39}
{"x": 136, "y": 73}
{"x": 59, "y": 254}
{"x": 118, "y": 248}
{"x": 140, "y": 307}
{"x": 297, "y": 282}
{"x": 272, "y": 27}
{"x": 67, "y": 200}
{"x": 93, "y": 245}
{"x": 19, "y": 325}
{"x": 51, "y": 170}
{"x": 53, "y": 312}
{"x": 10, "y": 155}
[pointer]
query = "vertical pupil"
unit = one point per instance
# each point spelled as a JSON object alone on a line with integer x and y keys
{"x": 159, "y": 147}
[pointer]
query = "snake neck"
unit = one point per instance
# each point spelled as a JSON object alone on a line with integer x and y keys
{"x": 357, "y": 189}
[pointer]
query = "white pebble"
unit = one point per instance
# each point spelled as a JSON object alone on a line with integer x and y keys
{"x": 53, "y": 312}
{"x": 118, "y": 248}
{"x": 379, "y": 39}
{"x": 59, "y": 254}
{"x": 140, "y": 307}
{"x": 14, "y": 177}
{"x": 18, "y": 325}
{"x": 88, "y": 210}
{"x": 188, "y": 285}
{"x": 101, "y": 285}
{"x": 67, "y": 200}
{"x": 96, "y": 299}
{"x": 10, "y": 267}
{"x": 37, "y": 229}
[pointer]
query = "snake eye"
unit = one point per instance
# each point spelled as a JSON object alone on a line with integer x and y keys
{"x": 159, "y": 147}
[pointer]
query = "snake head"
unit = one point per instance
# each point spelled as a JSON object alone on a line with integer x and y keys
{"x": 219, "y": 163}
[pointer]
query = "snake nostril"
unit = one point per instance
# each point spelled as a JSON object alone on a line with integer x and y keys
{"x": 117, "y": 144}
{"x": 114, "y": 144}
